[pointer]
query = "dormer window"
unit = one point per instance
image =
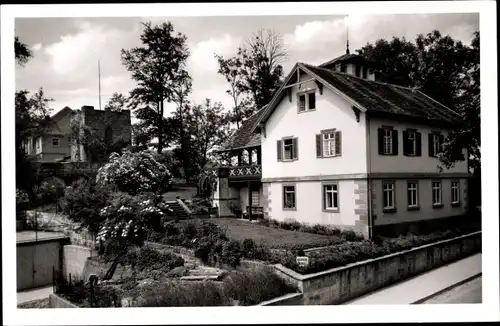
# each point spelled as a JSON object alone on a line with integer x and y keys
{"x": 358, "y": 71}
{"x": 343, "y": 67}
{"x": 365, "y": 73}
{"x": 306, "y": 101}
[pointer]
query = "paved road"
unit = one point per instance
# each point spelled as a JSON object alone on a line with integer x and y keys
{"x": 470, "y": 292}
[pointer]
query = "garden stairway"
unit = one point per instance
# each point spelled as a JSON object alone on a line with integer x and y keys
{"x": 181, "y": 211}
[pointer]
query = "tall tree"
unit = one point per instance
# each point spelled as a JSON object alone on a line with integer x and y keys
{"x": 157, "y": 67}
{"x": 444, "y": 69}
{"x": 255, "y": 73}
{"x": 208, "y": 128}
{"x": 116, "y": 103}
{"x": 22, "y": 51}
{"x": 231, "y": 69}
{"x": 180, "y": 117}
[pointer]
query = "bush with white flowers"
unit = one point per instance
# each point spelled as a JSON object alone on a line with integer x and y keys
{"x": 135, "y": 173}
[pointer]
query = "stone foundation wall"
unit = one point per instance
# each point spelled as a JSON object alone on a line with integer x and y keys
{"x": 339, "y": 285}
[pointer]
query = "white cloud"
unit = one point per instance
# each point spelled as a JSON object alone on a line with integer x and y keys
{"x": 202, "y": 53}
{"x": 77, "y": 52}
{"x": 37, "y": 47}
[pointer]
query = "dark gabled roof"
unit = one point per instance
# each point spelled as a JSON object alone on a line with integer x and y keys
{"x": 244, "y": 137}
{"x": 349, "y": 57}
{"x": 385, "y": 98}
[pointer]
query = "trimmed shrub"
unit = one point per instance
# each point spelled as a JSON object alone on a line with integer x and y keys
{"x": 147, "y": 258}
{"x": 351, "y": 252}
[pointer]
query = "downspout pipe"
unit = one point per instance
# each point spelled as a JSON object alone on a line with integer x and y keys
{"x": 368, "y": 163}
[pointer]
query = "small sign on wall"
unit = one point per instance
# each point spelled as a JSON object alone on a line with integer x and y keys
{"x": 302, "y": 261}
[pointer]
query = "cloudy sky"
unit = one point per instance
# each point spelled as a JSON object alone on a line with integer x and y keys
{"x": 66, "y": 50}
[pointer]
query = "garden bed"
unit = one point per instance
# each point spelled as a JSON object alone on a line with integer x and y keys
{"x": 275, "y": 238}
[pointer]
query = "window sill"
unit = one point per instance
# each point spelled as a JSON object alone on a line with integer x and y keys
{"x": 305, "y": 111}
{"x": 413, "y": 208}
{"x": 289, "y": 209}
{"x": 437, "y": 206}
{"x": 455, "y": 204}
{"x": 331, "y": 210}
{"x": 330, "y": 156}
{"x": 389, "y": 210}
{"x": 287, "y": 161}
{"x": 384, "y": 154}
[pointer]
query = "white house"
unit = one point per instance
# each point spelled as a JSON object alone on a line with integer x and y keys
{"x": 336, "y": 147}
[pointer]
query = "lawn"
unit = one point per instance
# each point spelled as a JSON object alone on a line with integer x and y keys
{"x": 238, "y": 229}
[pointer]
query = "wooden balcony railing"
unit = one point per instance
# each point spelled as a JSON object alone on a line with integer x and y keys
{"x": 238, "y": 172}
{"x": 250, "y": 170}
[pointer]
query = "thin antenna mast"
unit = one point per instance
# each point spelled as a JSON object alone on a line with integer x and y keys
{"x": 99, "y": 73}
{"x": 347, "y": 38}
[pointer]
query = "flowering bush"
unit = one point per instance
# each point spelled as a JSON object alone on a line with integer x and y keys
{"x": 134, "y": 173}
{"x": 128, "y": 218}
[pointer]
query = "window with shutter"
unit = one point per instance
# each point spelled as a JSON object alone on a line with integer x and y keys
{"x": 287, "y": 149}
{"x": 386, "y": 141}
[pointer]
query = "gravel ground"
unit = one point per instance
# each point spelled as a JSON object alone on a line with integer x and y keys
{"x": 42, "y": 303}
{"x": 470, "y": 292}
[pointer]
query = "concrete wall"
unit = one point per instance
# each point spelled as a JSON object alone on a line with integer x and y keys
{"x": 56, "y": 301}
{"x": 426, "y": 210}
{"x": 331, "y": 111}
{"x": 35, "y": 261}
{"x": 402, "y": 163}
{"x": 343, "y": 284}
{"x": 74, "y": 260}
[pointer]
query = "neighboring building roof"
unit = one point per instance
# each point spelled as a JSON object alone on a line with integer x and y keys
{"x": 61, "y": 113}
{"x": 386, "y": 98}
{"x": 244, "y": 137}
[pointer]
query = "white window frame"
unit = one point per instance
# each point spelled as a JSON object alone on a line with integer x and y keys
{"x": 389, "y": 195}
{"x": 306, "y": 100}
{"x": 412, "y": 191}
{"x": 436, "y": 144}
{"x": 58, "y": 142}
{"x": 412, "y": 136}
{"x": 437, "y": 193}
{"x": 455, "y": 192}
{"x": 388, "y": 141}
{"x": 331, "y": 191}
{"x": 289, "y": 191}
{"x": 291, "y": 149}
{"x": 328, "y": 144}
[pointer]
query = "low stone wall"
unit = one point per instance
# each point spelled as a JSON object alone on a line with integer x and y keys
{"x": 56, "y": 301}
{"x": 293, "y": 299}
{"x": 346, "y": 283}
{"x": 94, "y": 266}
